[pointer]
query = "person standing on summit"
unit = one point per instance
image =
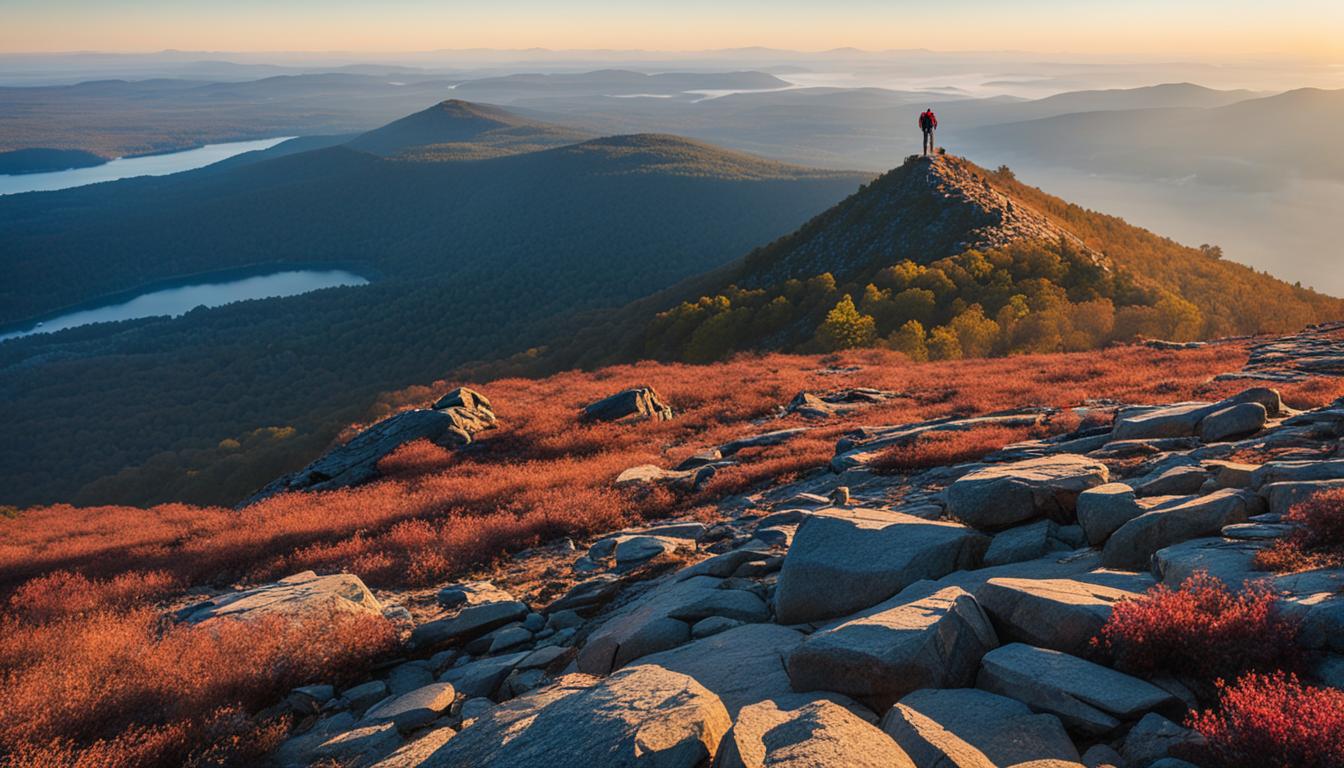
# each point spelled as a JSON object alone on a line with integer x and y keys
{"x": 927, "y": 122}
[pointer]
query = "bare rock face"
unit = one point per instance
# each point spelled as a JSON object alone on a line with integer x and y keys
{"x": 793, "y": 732}
{"x": 642, "y": 716}
{"x": 897, "y": 647}
{"x": 298, "y": 596}
{"x": 742, "y": 666}
{"x": 1002, "y": 495}
{"x": 1135, "y": 542}
{"x": 971, "y": 728}
{"x": 1062, "y": 614}
{"x": 454, "y": 425}
{"x": 843, "y": 561}
{"x": 1089, "y": 698}
{"x": 634, "y": 403}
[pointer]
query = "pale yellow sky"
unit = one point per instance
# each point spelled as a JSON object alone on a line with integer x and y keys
{"x": 1180, "y": 29}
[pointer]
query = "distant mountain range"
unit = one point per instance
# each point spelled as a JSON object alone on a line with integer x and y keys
{"x": 1250, "y": 143}
{"x": 471, "y": 258}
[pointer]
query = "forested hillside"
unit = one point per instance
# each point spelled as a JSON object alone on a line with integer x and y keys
{"x": 940, "y": 258}
{"x": 470, "y": 260}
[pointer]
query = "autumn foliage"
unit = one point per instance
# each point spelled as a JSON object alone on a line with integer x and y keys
{"x": 92, "y": 675}
{"x": 1202, "y": 630}
{"x": 1316, "y": 542}
{"x": 945, "y": 447}
{"x": 1271, "y": 721}
{"x": 106, "y": 687}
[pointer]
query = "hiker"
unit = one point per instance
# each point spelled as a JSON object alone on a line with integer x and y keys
{"x": 927, "y": 122}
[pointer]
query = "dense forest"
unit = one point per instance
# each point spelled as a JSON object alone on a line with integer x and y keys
{"x": 472, "y": 260}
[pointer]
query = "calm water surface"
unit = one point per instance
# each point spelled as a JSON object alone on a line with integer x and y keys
{"x": 180, "y": 299}
{"x": 127, "y": 167}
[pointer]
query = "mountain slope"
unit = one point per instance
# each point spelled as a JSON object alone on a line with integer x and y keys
{"x": 472, "y": 260}
{"x": 940, "y": 257}
{"x": 460, "y": 122}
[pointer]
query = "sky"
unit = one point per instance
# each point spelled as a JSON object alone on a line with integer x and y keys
{"x": 1185, "y": 29}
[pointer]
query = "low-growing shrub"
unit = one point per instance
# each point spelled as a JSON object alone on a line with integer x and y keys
{"x": 124, "y": 689}
{"x": 1270, "y": 721}
{"x": 942, "y": 448}
{"x": 1201, "y": 630}
{"x": 1316, "y": 542}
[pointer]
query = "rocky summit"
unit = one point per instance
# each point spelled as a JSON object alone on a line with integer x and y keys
{"x": 855, "y": 617}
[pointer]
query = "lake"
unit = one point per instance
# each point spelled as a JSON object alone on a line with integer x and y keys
{"x": 128, "y": 167}
{"x": 184, "y": 298}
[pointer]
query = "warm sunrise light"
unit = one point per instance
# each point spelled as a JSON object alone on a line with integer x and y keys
{"x": 1304, "y": 28}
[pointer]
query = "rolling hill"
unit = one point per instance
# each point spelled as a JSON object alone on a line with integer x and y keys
{"x": 942, "y": 258}
{"x": 471, "y": 260}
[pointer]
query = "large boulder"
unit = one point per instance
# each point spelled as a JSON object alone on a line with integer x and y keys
{"x": 649, "y": 475}
{"x": 1002, "y": 495}
{"x": 1062, "y": 614}
{"x": 642, "y": 716}
{"x": 471, "y": 622}
{"x": 415, "y": 709}
{"x": 1133, "y": 545}
{"x": 843, "y": 561}
{"x": 356, "y": 461}
{"x": 1297, "y": 471}
{"x": 1227, "y": 560}
{"x": 1185, "y": 419}
{"x": 1103, "y": 509}
{"x": 645, "y": 626}
{"x": 1090, "y": 699}
{"x": 1144, "y": 423}
{"x": 1233, "y": 421}
{"x": 793, "y": 732}
{"x": 935, "y": 641}
{"x": 298, "y": 596}
{"x": 482, "y": 678}
{"x": 971, "y": 728}
{"x": 741, "y": 666}
{"x": 634, "y": 403}
{"x": 1284, "y": 495}
{"x": 1032, "y": 542}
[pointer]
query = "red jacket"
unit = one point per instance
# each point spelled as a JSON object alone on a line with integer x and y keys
{"x": 928, "y": 121}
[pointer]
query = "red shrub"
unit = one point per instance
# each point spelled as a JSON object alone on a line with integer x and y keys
{"x": 123, "y": 689}
{"x": 941, "y": 448}
{"x": 1202, "y": 630}
{"x": 1317, "y": 542}
{"x": 1271, "y": 721}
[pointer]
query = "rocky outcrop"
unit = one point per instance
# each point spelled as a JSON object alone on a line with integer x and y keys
{"x": 843, "y": 561}
{"x": 1134, "y": 543}
{"x": 1229, "y": 418}
{"x": 837, "y": 403}
{"x": 455, "y": 424}
{"x": 1089, "y": 698}
{"x": 935, "y": 641}
{"x": 1002, "y": 495}
{"x": 1061, "y": 614}
{"x": 795, "y": 732}
{"x": 642, "y": 716}
{"x": 634, "y": 404}
{"x": 298, "y": 596}
{"x": 971, "y": 728}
